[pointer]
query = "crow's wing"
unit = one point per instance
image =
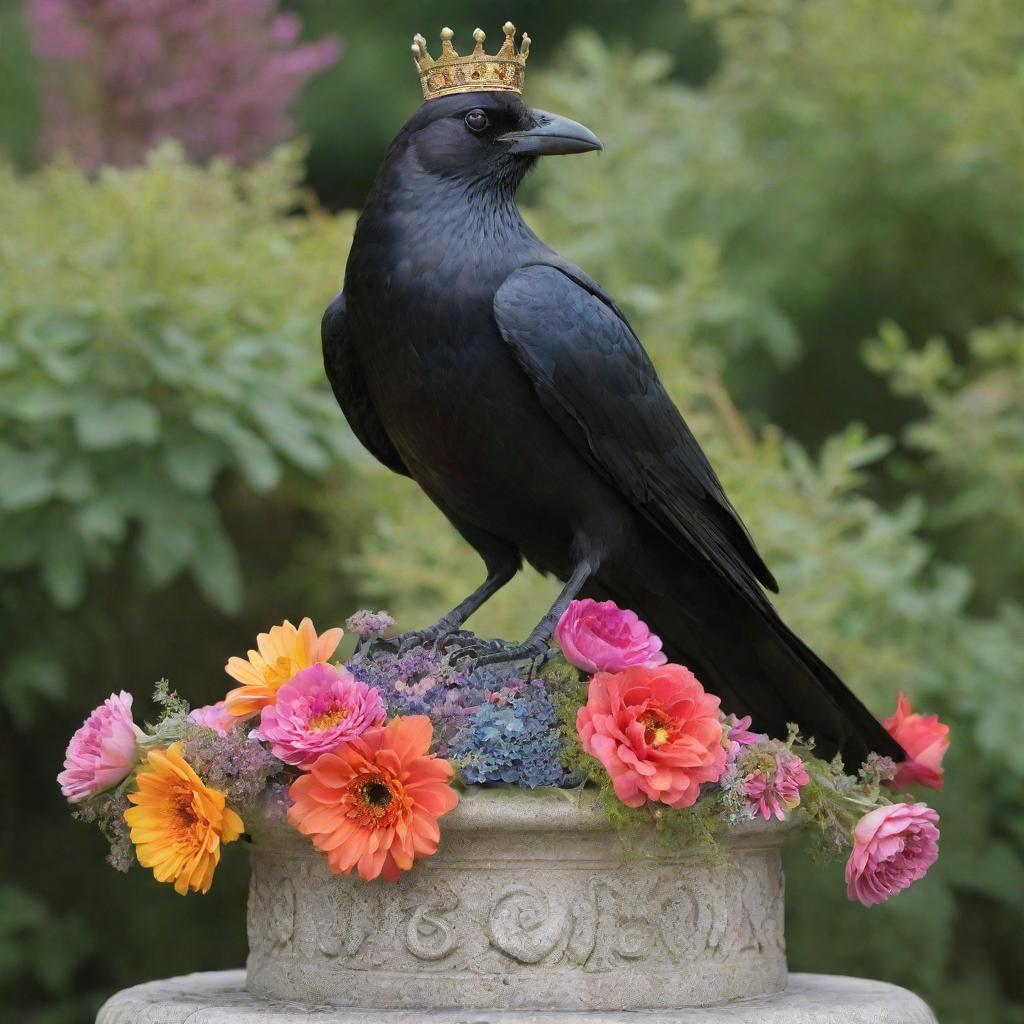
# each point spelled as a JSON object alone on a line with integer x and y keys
{"x": 595, "y": 380}
{"x": 349, "y": 386}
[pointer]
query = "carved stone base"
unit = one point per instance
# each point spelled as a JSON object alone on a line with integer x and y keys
{"x": 531, "y": 902}
{"x": 220, "y": 997}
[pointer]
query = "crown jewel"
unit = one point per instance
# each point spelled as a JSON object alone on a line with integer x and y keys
{"x": 476, "y": 72}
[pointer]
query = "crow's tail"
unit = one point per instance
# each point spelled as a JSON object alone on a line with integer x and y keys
{"x": 741, "y": 650}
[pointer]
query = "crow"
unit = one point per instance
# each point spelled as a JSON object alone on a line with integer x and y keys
{"x": 468, "y": 355}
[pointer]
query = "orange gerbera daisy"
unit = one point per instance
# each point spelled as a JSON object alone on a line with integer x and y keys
{"x": 282, "y": 653}
{"x": 373, "y": 804}
{"x": 178, "y": 823}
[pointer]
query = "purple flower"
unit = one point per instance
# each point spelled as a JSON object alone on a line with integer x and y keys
{"x": 317, "y": 711}
{"x": 218, "y": 75}
{"x": 367, "y": 625}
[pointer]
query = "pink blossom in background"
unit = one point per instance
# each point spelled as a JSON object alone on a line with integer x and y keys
{"x": 924, "y": 738}
{"x": 320, "y": 709}
{"x": 893, "y": 846}
{"x": 102, "y": 752}
{"x": 772, "y": 789}
{"x": 119, "y": 76}
{"x": 656, "y": 731}
{"x": 213, "y": 716}
{"x": 602, "y": 637}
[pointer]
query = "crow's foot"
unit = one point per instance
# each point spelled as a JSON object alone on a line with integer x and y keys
{"x": 501, "y": 652}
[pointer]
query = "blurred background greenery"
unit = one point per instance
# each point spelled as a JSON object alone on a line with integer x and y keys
{"x": 812, "y": 211}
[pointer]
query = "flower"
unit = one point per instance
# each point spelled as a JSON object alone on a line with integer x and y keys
{"x": 367, "y": 625}
{"x": 602, "y": 637}
{"x": 281, "y": 654}
{"x": 656, "y": 731}
{"x": 924, "y": 738}
{"x": 893, "y": 846}
{"x": 215, "y": 717}
{"x": 373, "y": 804}
{"x": 738, "y": 735}
{"x": 512, "y": 737}
{"x": 321, "y": 708}
{"x": 178, "y": 823}
{"x": 773, "y": 787}
{"x": 102, "y": 752}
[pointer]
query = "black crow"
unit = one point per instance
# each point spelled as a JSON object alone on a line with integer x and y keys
{"x": 471, "y": 357}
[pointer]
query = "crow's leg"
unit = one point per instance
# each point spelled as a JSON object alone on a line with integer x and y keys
{"x": 502, "y": 561}
{"x": 451, "y": 622}
{"x": 536, "y": 644}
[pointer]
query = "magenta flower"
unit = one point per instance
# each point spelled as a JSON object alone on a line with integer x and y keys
{"x": 738, "y": 735}
{"x": 893, "y": 846}
{"x": 217, "y": 75}
{"x": 773, "y": 788}
{"x": 213, "y": 716}
{"x": 602, "y": 637}
{"x": 320, "y": 709}
{"x": 102, "y": 752}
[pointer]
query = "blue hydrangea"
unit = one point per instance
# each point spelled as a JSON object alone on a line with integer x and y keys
{"x": 514, "y": 739}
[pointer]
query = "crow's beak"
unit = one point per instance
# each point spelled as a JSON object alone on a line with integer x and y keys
{"x": 551, "y": 135}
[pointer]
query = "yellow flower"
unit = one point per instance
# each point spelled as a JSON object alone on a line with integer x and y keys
{"x": 283, "y": 652}
{"x": 178, "y": 823}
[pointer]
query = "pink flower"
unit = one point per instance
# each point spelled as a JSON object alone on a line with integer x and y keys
{"x": 773, "y": 788}
{"x": 738, "y": 735}
{"x": 893, "y": 846}
{"x": 213, "y": 716}
{"x": 602, "y": 637}
{"x": 924, "y": 738}
{"x": 320, "y": 709}
{"x": 656, "y": 731}
{"x": 102, "y": 752}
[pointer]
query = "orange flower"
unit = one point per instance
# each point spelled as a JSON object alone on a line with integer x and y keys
{"x": 178, "y": 823}
{"x": 282, "y": 654}
{"x": 373, "y": 804}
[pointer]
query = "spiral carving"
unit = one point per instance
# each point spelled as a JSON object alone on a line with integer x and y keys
{"x": 429, "y": 935}
{"x": 523, "y": 927}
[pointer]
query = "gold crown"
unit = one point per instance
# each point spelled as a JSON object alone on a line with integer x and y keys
{"x": 476, "y": 72}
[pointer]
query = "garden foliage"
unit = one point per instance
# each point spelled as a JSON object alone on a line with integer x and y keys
{"x": 173, "y": 473}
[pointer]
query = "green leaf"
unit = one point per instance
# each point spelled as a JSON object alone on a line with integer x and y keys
{"x": 27, "y": 479}
{"x": 216, "y": 570}
{"x": 100, "y": 426}
{"x": 193, "y": 461}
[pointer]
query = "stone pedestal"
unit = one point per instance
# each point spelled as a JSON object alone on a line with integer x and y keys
{"x": 220, "y": 997}
{"x": 533, "y": 912}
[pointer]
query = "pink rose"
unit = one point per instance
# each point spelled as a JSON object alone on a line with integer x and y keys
{"x": 321, "y": 708}
{"x": 924, "y": 738}
{"x": 102, "y": 752}
{"x": 656, "y": 731}
{"x": 213, "y": 716}
{"x": 602, "y": 637}
{"x": 893, "y": 846}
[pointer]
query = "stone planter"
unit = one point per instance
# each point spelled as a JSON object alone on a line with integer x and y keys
{"x": 531, "y": 902}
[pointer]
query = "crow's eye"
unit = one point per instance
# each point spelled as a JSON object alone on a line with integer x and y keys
{"x": 476, "y": 121}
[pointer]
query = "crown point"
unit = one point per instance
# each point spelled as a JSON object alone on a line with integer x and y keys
{"x": 508, "y": 28}
{"x": 447, "y": 34}
{"x": 525, "y": 48}
{"x": 479, "y": 35}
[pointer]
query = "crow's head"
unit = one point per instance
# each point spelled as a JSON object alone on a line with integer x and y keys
{"x": 489, "y": 137}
